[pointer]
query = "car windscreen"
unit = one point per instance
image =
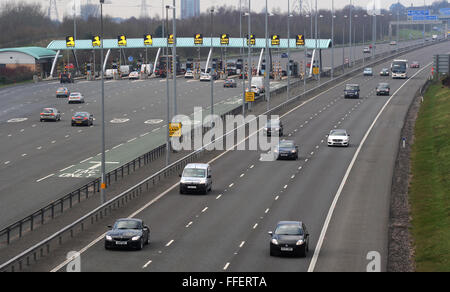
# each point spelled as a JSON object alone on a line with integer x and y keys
{"x": 383, "y": 85}
{"x": 48, "y": 111}
{"x": 289, "y": 229}
{"x": 82, "y": 115}
{"x": 286, "y": 144}
{"x": 194, "y": 172}
{"x": 338, "y": 133}
{"x": 352, "y": 87}
{"x": 127, "y": 224}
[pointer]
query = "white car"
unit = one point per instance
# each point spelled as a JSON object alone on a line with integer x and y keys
{"x": 366, "y": 50}
{"x": 255, "y": 89}
{"x": 339, "y": 137}
{"x": 189, "y": 75}
{"x": 76, "y": 97}
{"x": 205, "y": 77}
{"x": 134, "y": 75}
{"x": 393, "y": 43}
{"x": 196, "y": 177}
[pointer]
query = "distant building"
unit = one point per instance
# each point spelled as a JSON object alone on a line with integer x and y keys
{"x": 190, "y": 8}
{"x": 37, "y": 60}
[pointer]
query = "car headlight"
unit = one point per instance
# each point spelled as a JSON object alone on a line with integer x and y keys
{"x": 300, "y": 242}
{"x": 108, "y": 237}
{"x": 136, "y": 238}
{"x": 294, "y": 151}
{"x": 274, "y": 241}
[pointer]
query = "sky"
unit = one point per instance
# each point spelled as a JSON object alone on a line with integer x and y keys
{"x": 129, "y": 8}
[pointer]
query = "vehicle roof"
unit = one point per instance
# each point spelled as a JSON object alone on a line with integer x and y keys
{"x": 81, "y": 113}
{"x": 129, "y": 219}
{"x": 197, "y": 165}
{"x": 352, "y": 84}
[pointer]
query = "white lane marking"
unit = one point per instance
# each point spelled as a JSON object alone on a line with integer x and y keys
{"x": 131, "y": 140}
{"x": 242, "y": 244}
{"x": 115, "y": 147}
{"x": 277, "y": 197}
{"x": 23, "y": 155}
{"x": 252, "y": 166}
{"x": 242, "y": 175}
{"x": 267, "y": 211}
{"x": 315, "y": 257}
{"x": 293, "y": 176}
{"x": 86, "y": 160}
{"x": 256, "y": 225}
{"x": 285, "y": 187}
{"x": 226, "y": 266}
{"x": 189, "y": 224}
{"x": 66, "y": 168}
{"x": 204, "y": 210}
{"x": 170, "y": 242}
{"x": 39, "y": 148}
{"x": 231, "y": 185}
{"x": 41, "y": 179}
{"x": 218, "y": 197}
{"x": 147, "y": 264}
{"x": 7, "y": 162}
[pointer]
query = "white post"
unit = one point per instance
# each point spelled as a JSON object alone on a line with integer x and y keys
{"x": 106, "y": 59}
{"x": 54, "y": 63}
{"x": 156, "y": 60}
{"x": 260, "y": 60}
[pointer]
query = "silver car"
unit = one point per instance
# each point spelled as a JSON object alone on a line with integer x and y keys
{"x": 76, "y": 97}
{"x": 50, "y": 114}
{"x": 62, "y": 92}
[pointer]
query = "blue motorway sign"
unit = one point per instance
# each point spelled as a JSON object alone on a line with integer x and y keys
{"x": 418, "y": 12}
{"x": 444, "y": 11}
{"x": 130, "y": 59}
{"x": 429, "y": 17}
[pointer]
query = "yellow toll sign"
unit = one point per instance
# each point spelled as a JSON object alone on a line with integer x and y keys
{"x": 148, "y": 40}
{"x": 224, "y": 39}
{"x": 70, "y": 42}
{"x": 175, "y": 129}
{"x": 96, "y": 41}
{"x": 198, "y": 39}
{"x": 249, "y": 97}
{"x": 122, "y": 40}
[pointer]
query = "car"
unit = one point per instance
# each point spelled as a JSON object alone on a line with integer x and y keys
{"x": 286, "y": 149}
{"x": 66, "y": 78}
{"x": 383, "y": 89}
{"x": 76, "y": 97}
{"x": 338, "y": 137}
{"x": 393, "y": 43}
{"x": 82, "y": 119}
{"x": 273, "y": 127}
{"x": 384, "y": 72}
{"x": 133, "y": 75}
{"x": 62, "y": 92}
{"x": 196, "y": 177}
{"x": 50, "y": 114}
{"x": 284, "y": 55}
{"x": 205, "y": 77}
{"x": 127, "y": 233}
{"x": 366, "y": 50}
{"x": 230, "y": 83}
{"x": 368, "y": 72}
{"x": 255, "y": 89}
{"x": 290, "y": 237}
{"x": 415, "y": 64}
{"x": 351, "y": 90}
{"x": 189, "y": 74}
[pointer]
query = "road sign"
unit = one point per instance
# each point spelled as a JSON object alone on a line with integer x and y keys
{"x": 316, "y": 70}
{"x": 122, "y": 41}
{"x": 300, "y": 40}
{"x": 418, "y": 12}
{"x": 130, "y": 59}
{"x": 148, "y": 40}
{"x": 198, "y": 39}
{"x": 251, "y": 40}
{"x": 442, "y": 63}
{"x": 170, "y": 39}
{"x": 249, "y": 97}
{"x": 425, "y": 17}
{"x": 275, "y": 40}
{"x": 70, "y": 42}
{"x": 225, "y": 39}
{"x": 175, "y": 129}
{"x": 96, "y": 41}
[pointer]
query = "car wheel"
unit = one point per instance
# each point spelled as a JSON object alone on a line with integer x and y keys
{"x": 272, "y": 253}
{"x": 181, "y": 191}
{"x": 141, "y": 244}
{"x": 106, "y": 246}
{"x": 303, "y": 252}
{"x": 41, "y": 120}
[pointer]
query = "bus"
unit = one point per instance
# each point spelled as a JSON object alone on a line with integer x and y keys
{"x": 399, "y": 69}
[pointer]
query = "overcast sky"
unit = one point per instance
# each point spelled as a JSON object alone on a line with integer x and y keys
{"x": 128, "y": 8}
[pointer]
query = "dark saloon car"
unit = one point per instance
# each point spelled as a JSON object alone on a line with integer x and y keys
{"x": 82, "y": 119}
{"x": 351, "y": 90}
{"x": 273, "y": 127}
{"x": 291, "y": 238}
{"x": 127, "y": 233}
{"x": 383, "y": 89}
{"x": 286, "y": 149}
{"x": 384, "y": 72}
{"x": 66, "y": 78}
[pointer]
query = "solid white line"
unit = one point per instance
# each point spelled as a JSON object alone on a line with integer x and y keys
{"x": 242, "y": 244}
{"x": 115, "y": 147}
{"x": 131, "y": 140}
{"x": 218, "y": 197}
{"x": 256, "y": 225}
{"x": 204, "y": 210}
{"x": 39, "y": 180}
{"x": 313, "y": 262}
{"x": 86, "y": 160}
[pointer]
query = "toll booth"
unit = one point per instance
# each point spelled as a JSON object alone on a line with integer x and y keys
{"x": 239, "y": 66}
{"x": 292, "y": 68}
{"x": 190, "y": 64}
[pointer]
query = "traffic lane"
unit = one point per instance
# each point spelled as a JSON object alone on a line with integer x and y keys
{"x": 360, "y": 221}
{"x": 232, "y": 165}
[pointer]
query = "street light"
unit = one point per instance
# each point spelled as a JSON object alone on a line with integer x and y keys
{"x": 212, "y": 81}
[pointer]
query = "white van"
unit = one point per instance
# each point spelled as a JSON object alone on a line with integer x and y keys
{"x": 124, "y": 70}
{"x": 109, "y": 73}
{"x": 258, "y": 81}
{"x": 147, "y": 68}
{"x": 196, "y": 177}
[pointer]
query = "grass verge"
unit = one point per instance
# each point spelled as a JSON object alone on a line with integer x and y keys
{"x": 430, "y": 183}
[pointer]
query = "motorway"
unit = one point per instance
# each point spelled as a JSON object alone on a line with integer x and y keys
{"x": 53, "y": 159}
{"x": 226, "y": 230}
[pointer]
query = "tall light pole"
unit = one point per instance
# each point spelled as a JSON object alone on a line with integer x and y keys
{"x": 343, "y": 44}
{"x": 249, "y": 48}
{"x": 374, "y": 30}
{"x": 350, "y": 35}
{"x": 212, "y": 80}
{"x": 289, "y": 50}
{"x": 174, "y": 59}
{"x": 167, "y": 89}
{"x": 398, "y": 24}
{"x": 103, "y": 168}
{"x": 316, "y": 31}
{"x": 267, "y": 69}
{"x": 332, "y": 39}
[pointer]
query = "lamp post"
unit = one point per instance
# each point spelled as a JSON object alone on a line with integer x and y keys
{"x": 350, "y": 35}
{"x": 167, "y": 90}
{"x": 332, "y": 39}
{"x": 289, "y": 50}
{"x": 249, "y": 49}
{"x": 343, "y": 44}
{"x": 267, "y": 69}
{"x": 103, "y": 160}
{"x": 174, "y": 58}
{"x": 212, "y": 80}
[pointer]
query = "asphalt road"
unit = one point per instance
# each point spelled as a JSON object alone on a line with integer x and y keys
{"x": 226, "y": 230}
{"x": 40, "y": 162}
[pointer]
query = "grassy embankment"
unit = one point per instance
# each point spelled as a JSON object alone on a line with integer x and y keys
{"x": 430, "y": 186}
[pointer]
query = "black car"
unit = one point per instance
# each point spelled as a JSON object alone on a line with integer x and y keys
{"x": 66, "y": 78}
{"x": 127, "y": 233}
{"x": 384, "y": 72}
{"x": 273, "y": 127}
{"x": 383, "y": 89}
{"x": 82, "y": 119}
{"x": 351, "y": 90}
{"x": 286, "y": 149}
{"x": 290, "y": 237}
